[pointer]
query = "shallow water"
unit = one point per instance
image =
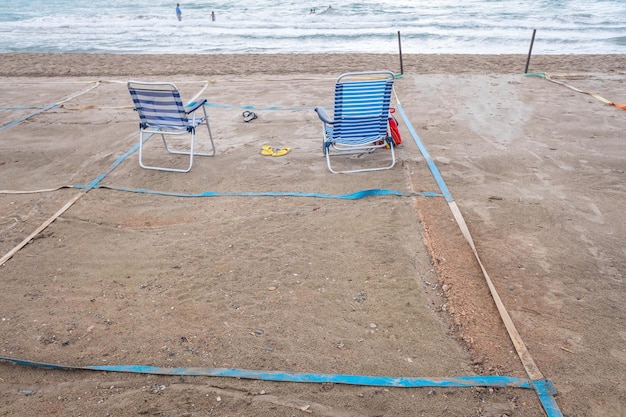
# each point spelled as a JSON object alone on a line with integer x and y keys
{"x": 271, "y": 26}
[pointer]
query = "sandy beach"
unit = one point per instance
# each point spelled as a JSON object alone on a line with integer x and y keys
{"x": 380, "y": 286}
{"x": 97, "y": 65}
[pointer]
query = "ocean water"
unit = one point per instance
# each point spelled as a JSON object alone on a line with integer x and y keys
{"x": 289, "y": 26}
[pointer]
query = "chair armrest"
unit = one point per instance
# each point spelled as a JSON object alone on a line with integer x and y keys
{"x": 323, "y": 115}
{"x": 194, "y": 106}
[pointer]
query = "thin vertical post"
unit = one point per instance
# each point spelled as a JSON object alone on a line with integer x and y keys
{"x": 532, "y": 41}
{"x": 400, "y": 49}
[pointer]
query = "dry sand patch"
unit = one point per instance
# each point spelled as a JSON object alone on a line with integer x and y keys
{"x": 251, "y": 281}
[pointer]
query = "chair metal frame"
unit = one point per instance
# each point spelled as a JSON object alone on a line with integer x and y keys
{"x": 361, "y": 118}
{"x": 162, "y": 112}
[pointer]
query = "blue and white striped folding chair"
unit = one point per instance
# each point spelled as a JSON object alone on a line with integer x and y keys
{"x": 161, "y": 111}
{"x": 361, "y": 117}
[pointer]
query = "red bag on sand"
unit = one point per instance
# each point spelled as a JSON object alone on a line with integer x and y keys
{"x": 393, "y": 128}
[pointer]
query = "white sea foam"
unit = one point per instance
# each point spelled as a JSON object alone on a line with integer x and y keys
{"x": 275, "y": 26}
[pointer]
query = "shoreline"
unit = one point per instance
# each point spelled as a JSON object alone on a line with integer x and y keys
{"x": 90, "y": 65}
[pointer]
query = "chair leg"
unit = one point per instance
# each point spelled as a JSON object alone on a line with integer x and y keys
{"x": 141, "y": 164}
{"x": 211, "y": 153}
{"x": 190, "y": 153}
{"x": 391, "y": 165}
{"x": 141, "y": 150}
{"x": 174, "y": 151}
{"x": 206, "y": 122}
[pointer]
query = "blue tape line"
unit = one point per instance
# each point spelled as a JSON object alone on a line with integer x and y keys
{"x": 20, "y": 120}
{"x": 544, "y": 388}
{"x": 22, "y": 108}
{"x": 546, "y": 391}
{"x": 431, "y": 164}
{"x": 379, "y": 381}
{"x": 251, "y": 107}
{"x": 350, "y": 196}
{"x": 95, "y": 183}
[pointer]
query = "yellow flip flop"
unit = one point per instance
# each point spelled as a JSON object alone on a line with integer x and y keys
{"x": 281, "y": 151}
{"x": 271, "y": 151}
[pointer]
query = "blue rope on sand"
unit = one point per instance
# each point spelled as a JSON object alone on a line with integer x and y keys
{"x": 21, "y": 119}
{"x": 365, "y": 380}
{"x": 543, "y": 387}
{"x": 350, "y": 196}
{"x": 251, "y": 107}
{"x": 22, "y": 108}
{"x": 431, "y": 164}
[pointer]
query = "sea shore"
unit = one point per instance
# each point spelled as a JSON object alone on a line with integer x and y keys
{"x": 92, "y": 65}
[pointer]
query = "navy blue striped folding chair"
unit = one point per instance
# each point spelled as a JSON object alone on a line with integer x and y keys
{"x": 162, "y": 112}
{"x": 361, "y": 118}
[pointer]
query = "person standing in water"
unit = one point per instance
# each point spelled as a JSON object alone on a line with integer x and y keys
{"x": 179, "y": 13}
{"x": 213, "y": 16}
